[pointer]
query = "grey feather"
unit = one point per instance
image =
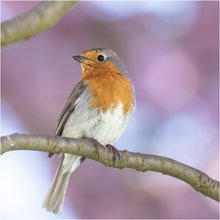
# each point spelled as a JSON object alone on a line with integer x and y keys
{"x": 55, "y": 197}
{"x": 70, "y": 106}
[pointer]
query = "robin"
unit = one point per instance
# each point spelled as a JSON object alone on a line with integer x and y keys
{"x": 99, "y": 107}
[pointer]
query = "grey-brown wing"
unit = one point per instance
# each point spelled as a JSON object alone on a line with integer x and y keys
{"x": 69, "y": 107}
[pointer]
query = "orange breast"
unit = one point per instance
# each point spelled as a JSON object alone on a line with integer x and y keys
{"x": 109, "y": 89}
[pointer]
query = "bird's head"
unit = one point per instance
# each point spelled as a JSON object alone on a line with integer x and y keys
{"x": 96, "y": 62}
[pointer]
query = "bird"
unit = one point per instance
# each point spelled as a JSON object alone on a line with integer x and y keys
{"x": 99, "y": 107}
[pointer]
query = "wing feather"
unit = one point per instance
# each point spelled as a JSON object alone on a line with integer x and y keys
{"x": 70, "y": 106}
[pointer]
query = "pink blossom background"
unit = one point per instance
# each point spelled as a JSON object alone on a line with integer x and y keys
{"x": 171, "y": 52}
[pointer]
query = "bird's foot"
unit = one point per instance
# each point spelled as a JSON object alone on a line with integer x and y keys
{"x": 115, "y": 153}
{"x": 50, "y": 155}
{"x": 95, "y": 144}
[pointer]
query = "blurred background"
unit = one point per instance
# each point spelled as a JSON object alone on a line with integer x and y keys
{"x": 171, "y": 52}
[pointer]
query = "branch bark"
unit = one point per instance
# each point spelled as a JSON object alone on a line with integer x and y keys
{"x": 90, "y": 148}
{"x": 43, "y": 16}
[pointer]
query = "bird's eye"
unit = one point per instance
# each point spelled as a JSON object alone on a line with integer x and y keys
{"x": 101, "y": 58}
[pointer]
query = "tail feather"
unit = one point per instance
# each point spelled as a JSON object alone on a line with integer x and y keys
{"x": 54, "y": 199}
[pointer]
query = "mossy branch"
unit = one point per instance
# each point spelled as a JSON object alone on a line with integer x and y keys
{"x": 111, "y": 157}
{"x": 46, "y": 14}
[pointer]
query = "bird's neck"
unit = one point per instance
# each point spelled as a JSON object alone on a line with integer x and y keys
{"x": 109, "y": 90}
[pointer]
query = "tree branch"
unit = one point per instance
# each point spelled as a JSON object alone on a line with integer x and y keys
{"x": 90, "y": 148}
{"x": 43, "y": 16}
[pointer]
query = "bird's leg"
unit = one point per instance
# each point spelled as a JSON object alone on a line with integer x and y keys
{"x": 95, "y": 144}
{"x": 114, "y": 151}
{"x": 50, "y": 155}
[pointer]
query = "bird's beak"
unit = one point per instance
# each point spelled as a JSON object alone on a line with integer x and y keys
{"x": 79, "y": 58}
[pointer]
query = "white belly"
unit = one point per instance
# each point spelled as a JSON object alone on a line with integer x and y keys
{"x": 105, "y": 127}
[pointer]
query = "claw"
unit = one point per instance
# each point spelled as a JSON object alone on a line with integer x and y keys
{"x": 95, "y": 144}
{"x": 50, "y": 155}
{"x": 115, "y": 153}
